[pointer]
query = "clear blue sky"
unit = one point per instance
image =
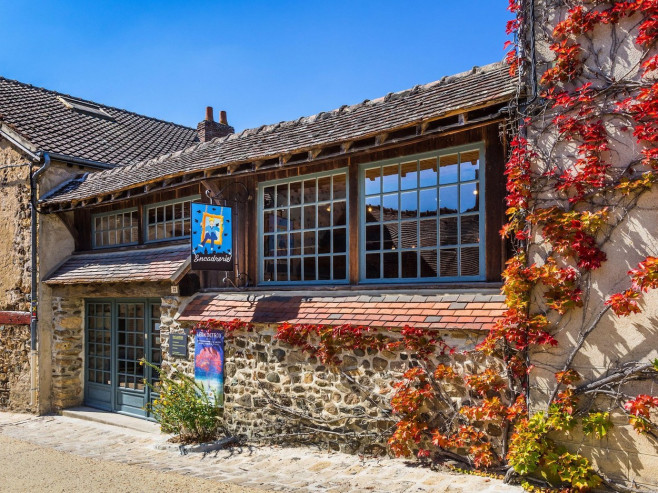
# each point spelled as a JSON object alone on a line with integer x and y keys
{"x": 261, "y": 61}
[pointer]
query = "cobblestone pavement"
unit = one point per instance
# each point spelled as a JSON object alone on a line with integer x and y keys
{"x": 269, "y": 468}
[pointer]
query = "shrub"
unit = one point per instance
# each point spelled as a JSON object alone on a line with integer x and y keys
{"x": 184, "y": 408}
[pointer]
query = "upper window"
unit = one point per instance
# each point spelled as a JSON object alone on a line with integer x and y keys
{"x": 303, "y": 226}
{"x": 168, "y": 220}
{"x": 114, "y": 228}
{"x": 422, "y": 217}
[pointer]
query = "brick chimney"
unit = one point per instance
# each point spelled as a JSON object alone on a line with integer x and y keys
{"x": 208, "y": 129}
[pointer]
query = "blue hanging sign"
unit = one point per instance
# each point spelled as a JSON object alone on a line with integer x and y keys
{"x": 212, "y": 237}
{"x": 209, "y": 364}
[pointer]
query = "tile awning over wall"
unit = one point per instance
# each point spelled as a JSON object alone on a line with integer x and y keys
{"x": 157, "y": 264}
{"x": 440, "y": 311}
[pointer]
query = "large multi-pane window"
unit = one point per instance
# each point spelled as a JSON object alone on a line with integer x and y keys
{"x": 115, "y": 228}
{"x": 168, "y": 220}
{"x": 303, "y": 227}
{"x": 422, "y": 217}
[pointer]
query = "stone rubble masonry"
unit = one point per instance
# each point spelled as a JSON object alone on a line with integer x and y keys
{"x": 67, "y": 352}
{"x": 15, "y": 367}
{"x": 275, "y": 391}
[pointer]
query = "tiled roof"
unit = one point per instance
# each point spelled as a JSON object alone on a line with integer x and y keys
{"x": 486, "y": 85}
{"x": 123, "y": 137}
{"x": 157, "y": 264}
{"x": 443, "y": 311}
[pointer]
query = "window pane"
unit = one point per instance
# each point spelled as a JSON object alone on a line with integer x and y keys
{"x": 268, "y": 246}
{"x": 340, "y": 186}
{"x": 428, "y": 233}
{"x": 448, "y": 169}
{"x": 268, "y": 198}
{"x": 390, "y": 178}
{"x": 448, "y": 259}
{"x": 324, "y": 215}
{"x": 309, "y": 269}
{"x": 295, "y": 269}
{"x": 324, "y": 189}
{"x": 391, "y": 265}
{"x": 470, "y": 165}
{"x": 408, "y": 234}
{"x": 309, "y": 217}
{"x": 428, "y": 263}
{"x": 470, "y": 229}
{"x": 324, "y": 241}
{"x": 339, "y": 214}
{"x": 295, "y": 193}
{"x": 295, "y": 244}
{"x": 448, "y": 231}
{"x": 469, "y": 199}
{"x": 268, "y": 270}
{"x": 409, "y": 175}
{"x": 281, "y": 245}
{"x": 324, "y": 268}
{"x": 281, "y": 270}
{"x": 390, "y": 236}
{"x": 470, "y": 261}
{"x": 373, "y": 237}
{"x": 373, "y": 181}
{"x": 282, "y": 195}
{"x": 373, "y": 209}
{"x": 428, "y": 174}
{"x": 340, "y": 240}
{"x": 428, "y": 202}
{"x": 372, "y": 266}
{"x": 390, "y": 206}
{"x": 310, "y": 191}
{"x": 309, "y": 242}
{"x": 340, "y": 267}
{"x": 448, "y": 200}
{"x": 295, "y": 218}
{"x": 408, "y": 205}
{"x": 409, "y": 264}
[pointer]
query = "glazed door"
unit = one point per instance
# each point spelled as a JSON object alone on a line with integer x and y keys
{"x": 128, "y": 332}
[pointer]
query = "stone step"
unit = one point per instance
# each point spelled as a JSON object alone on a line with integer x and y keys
{"x": 109, "y": 418}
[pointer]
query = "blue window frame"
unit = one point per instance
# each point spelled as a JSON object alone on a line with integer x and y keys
{"x": 422, "y": 217}
{"x": 302, "y": 224}
{"x": 114, "y": 228}
{"x": 168, "y": 220}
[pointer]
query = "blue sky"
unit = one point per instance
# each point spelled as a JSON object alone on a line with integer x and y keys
{"x": 261, "y": 61}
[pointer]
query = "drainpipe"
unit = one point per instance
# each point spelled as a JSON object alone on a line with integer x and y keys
{"x": 34, "y": 353}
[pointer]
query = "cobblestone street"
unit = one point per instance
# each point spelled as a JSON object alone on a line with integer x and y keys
{"x": 244, "y": 469}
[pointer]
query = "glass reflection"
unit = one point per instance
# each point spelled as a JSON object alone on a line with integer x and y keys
{"x": 428, "y": 267}
{"x": 470, "y": 198}
{"x": 373, "y": 237}
{"x": 428, "y": 173}
{"x": 409, "y": 234}
{"x": 428, "y": 202}
{"x": 373, "y": 181}
{"x": 309, "y": 217}
{"x": 470, "y": 229}
{"x": 310, "y": 191}
{"x": 409, "y": 261}
{"x": 448, "y": 231}
{"x": 390, "y": 236}
{"x": 372, "y": 266}
{"x": 324, "y": 241}
{"x": 339, "y": 214}
{"x": 282, "y": 195}
{"x": 340, "y": 267}
{"x": 309, "y": 269}
{"x": 469, "y": 168}
{"x": 448, "y": 169}
{"x": 408, "y": 205}
{"x": 390, "y": 178}
{"x": 268, "y": 198}
{"x": 409, "y": 175}
{"x": 295, "y": 196}
{"x": 448, "y": 259}
{"x": 340, "y": 186}
{"x": 373, "y": 209}
{"x": 324, "y": 189}
{"x": 390, "y": 206}
{"x": 340, "y": 240}
{"x": 324, "y": 268}
{"x": 428, "y": 233}
{"x": 470, "y": 261}
{"x": 448, "y": 200}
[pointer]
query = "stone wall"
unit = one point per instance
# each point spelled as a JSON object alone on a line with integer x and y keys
{"x": 275, "y": 392}
{"x": 67, "y": 352}
{"x": 15, "y": 246}
{"x": 15, "y": 367}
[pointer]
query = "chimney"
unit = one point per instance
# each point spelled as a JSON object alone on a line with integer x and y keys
{"x": 208, "y": 129}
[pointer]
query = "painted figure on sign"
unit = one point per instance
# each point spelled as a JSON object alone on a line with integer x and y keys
{"x": 212, "y": 231}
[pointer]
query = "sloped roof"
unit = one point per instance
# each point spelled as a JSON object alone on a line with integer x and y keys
{"x": 157, "y": 264}
{"x": 479, "y": 87}
{"x": 438, "y": 311}
{"x": 121, "y": 137}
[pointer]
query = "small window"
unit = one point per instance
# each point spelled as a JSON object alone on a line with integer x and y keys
{"x": 84, "y": 106}
{"x": 422, "y": 218}
{"x": 168, "y": 220}
{"x": 303, "y": 229}
{"x": 114, "y": 228}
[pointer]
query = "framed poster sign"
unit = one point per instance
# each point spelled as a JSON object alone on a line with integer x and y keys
{"x": 212, "y": 237}
{"x": 209, "y": 364}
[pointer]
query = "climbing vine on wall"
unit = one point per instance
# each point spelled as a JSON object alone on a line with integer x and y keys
{"x": 569, "y": 190}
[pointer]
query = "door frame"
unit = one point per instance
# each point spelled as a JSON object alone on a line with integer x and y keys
{"x": 113, "y": 387}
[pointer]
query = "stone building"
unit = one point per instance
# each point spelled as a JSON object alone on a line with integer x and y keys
{"x": 62, "y": 136}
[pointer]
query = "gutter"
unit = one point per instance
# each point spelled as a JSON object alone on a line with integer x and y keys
{"x": 34, "y": 352}
{"x": 80, "y": 161}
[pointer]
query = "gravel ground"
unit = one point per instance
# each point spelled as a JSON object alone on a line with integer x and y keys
{"x": 25, "y": 467}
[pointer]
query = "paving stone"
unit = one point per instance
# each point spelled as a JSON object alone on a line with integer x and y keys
{"x": 299, "y": 470}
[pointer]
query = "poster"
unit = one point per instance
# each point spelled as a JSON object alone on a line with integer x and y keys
{"x": 209, "y": 364}
{"x": 212, "y": 237}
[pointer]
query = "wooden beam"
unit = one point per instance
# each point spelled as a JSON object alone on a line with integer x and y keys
{"x": 313, "y": 153}
{"x": 284, "y": 158}
{"x": 462, "y": 118}
{"x": 345, "y": 146}
{"x": 381, "y": 138}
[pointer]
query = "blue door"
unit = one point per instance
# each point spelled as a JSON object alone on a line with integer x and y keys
{"x": 120, "y": 333}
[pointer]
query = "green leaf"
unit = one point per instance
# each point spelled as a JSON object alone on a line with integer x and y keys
{"x": 655, "y": 364}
